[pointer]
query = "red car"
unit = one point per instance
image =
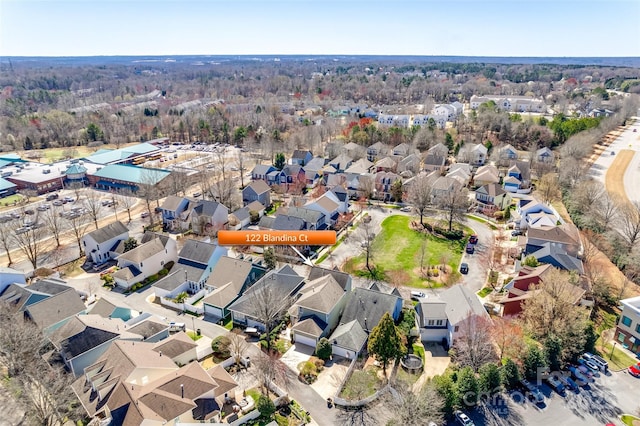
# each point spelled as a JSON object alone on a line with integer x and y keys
{"x": 634, "y": 370}
{"x": 473, "y": 239}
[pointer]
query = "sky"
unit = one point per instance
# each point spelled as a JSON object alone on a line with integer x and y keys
{"x": 556, "y": 28}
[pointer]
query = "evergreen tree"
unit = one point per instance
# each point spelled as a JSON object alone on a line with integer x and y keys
{"x": 490, "y": 381}
{"x": 533, "y": 360}
{"x": 467, "y": 386}
{"x": 385, "y": 341}
{"x": 279, "y": 162}
{"x": 552, "y": 351}
{"x": 510, "y": 374}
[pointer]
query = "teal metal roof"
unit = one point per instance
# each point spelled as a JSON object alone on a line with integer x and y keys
{"x": 134, "y": 174}
{"x": 75, "y": 169}
{"x": 106, "y": 156}
{"x": 11, "y": 157}
{"x": 5, "y": 184}
{"x": 5, "y": 163}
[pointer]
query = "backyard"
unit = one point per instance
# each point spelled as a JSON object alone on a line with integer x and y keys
{"x": 398, "y": 250}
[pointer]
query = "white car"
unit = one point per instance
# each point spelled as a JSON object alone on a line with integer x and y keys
{"x": 463, "y": 419}
{"x": 406, "y": 209}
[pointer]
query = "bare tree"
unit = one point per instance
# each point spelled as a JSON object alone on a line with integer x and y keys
{"x": 454, "y": 205}
{"x": 241, "y": 163}
{"x": 473, "y": 346}
{"x": 31, "y": 243}
{"x": 412, "y": 407}
{"x": 6, "y": 238}
{"x": 548, "y": 188}
{"x": 127, "y": 199}
{"x": 53, "y": 223}
{"x": 606, "y": 210}
{"x": 43, "y": 389}
{"x": 366, "y": 242}
{"x": 507, "y": 335}
{"x": 270, "y": 369}
{"x": 420, "y": 195}
{"x": 149, "y": 191}
{"x": 238, "y": 346}
{"x": 629, "y": 223}
{"x": 366, "y": 186}
{"x": 356, "y": 416}
{"x": 78, "y": 226}
{"x": 93, "y": 204}
{"x": 268, "y": 305}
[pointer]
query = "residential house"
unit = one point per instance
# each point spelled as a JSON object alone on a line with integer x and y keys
{"x": 172, "y": 208}
{"x": 558, "y": 245}
{"x": 343, "y": 197}
{"x": 313, "y": 171}
{"x": 313, "y": 219}
{"x": 341, "y": 278}
{"x": 106, "y": 309}
{"x": 10, "y": 276}
{"x": 381, "y": 287}
{"x": 257, "y": 190}
{"x": 135, "y": 383}
{"x": 101, "y": 245}
{"x": 230, "y": 279}
{"x": 441, "y": 186}
{"x": 317, "y": 310}
{"x": 439, "y": 150}
{"x": 386, "y": 164}
{"x": 441, "y": 318}
{"x": 545, "y": 155}
{"x": 530, "y": 211}
{"x": 410, "y": 163}
{"x": 208, "y": 217}
{"x": 260, "y": 171}
{"x": 460, "y": 172}
{"x": 384, "y": 182}
{"x": 359, "y": 167}
{"x": 328, "y": 205}
{"x": 507, "y": 152}
{"x": 511, "y": 103}
{"x": 377, "y": 151}
{"x": 492, "y": 197}
{"x": 195, "y": 262}
{"x": 474, "y": 154}
{"x": 341, "y": 162}
{"x": 276, "y": 287}
{"x": 290, "y": 175}
{"x": 354, "y": 150}
{"x": 179, "y": 347}
{"x": 20, "y": 296}
{"x": 520, "y": 288}
{"x": 518, "y": 176}
{"x": 147, "y": 259}
{"x": 486, "y": 175}
{"x": 402, "y": 149}
{"x": 364, "y": 307}
{"x": 84, "y": 338}
{"x": 53, "y": 312}
{"x": 239, "y": 219}
{"x": 628, "y": 328}
{"x": 301, "y": 157}
{"x": 433, "y": 162}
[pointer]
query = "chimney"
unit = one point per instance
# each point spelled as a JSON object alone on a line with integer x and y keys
{"x": 182, "y": 390}
{"x": 160, "y": 353}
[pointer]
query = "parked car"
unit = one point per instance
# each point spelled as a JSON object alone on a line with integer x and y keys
{"x": 597, "y": 360}
{"x": 582, "y": 379}
{"x": 405, "y": 209}
{"x": 569, "y": 382}
{"x": 634, "y": 370}
{"x": 532, "y": 391}
{"x": 43, "y": 207}
{"x": 555, "y": 384}
{"x": 16, "y": 215}
{"x": 29, "y": 211}
{"x": 463, "y": 419}
{"x": 473, "y": 239}
{"x": 470, "y": 248}
{"x": 68, "y": 199}
{"x": 417, "y": 294}
{"x": 51, "y": 197}
{"x": 589, "y": 364}
{"x": 464, "y": 268}
{"x": 197, "y": 194}
{"x": 57, "y": 203}
{"x": 22, "y": 230}
{"x": 5, "y": 219}
{"x": 516, "y": 233}
{"x": 144, "y": 215}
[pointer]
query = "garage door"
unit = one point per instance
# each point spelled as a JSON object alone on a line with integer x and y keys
{"x": 211, "y": 310}
{"x": 433, "y": 335}
{"x": 305, "y": 340}
{"x": 337, "y": 350}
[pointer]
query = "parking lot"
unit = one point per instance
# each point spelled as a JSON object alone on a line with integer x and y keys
{"x": 600, "y": 402}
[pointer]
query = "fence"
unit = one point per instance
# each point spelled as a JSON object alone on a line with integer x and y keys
{"x": 186, "y": 306}
{"x": 352, "y": 366}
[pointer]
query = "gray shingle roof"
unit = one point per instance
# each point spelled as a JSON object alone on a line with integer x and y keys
{"x": 172, "y": 281}
{"x": 49, "y": 286}
{"x": 266, "y": 222}
{"x": 321, "y": 294}
{"x": 171, "y": 203}
{"x": 349, "y": 336}
{"x": 460, "y": 303}
{"x": 261, "y": 169}
{"x": 197, "y": 251}
{"x": 148, "y": 328}
{"x": 367, "y": 307}
{"x": 341, "y": 278}
{"x": 108, "y": 232}
{"x": 208, "y": 208}
{"x": 259, "y": 187}
{"x": 307, "y": 215}
{"x": 284, "y": 222}
{"x": 175, "y": 345}
{"x": 228, "y": 277}
{"x": 143, "y": 252}
{"x": 103, "y": 307}
{"x": 309, "y": 326}
{"x": 241, "y": 214}
{"x": 56, "y": 308}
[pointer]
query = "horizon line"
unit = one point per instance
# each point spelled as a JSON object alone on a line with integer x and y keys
{"x": 306, "y": 54}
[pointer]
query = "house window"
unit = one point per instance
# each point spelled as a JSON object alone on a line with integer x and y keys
{"x": 455, "y": 330}
{"x": 621, "y": 337}
{"x": 141, "y": 265}
{"x": 626, "y": 321}
{"x": 430, "y": 322}
{"x": 638, "y": 328}
{"x": 439, "y": 322}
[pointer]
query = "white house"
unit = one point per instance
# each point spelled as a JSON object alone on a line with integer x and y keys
{"x": 545, "y": 155}
{"x": 10, "y": 276}
{"x": 143, "y": 261}
{"x": 441, "y": 317}
{"x": 101, "y": 245}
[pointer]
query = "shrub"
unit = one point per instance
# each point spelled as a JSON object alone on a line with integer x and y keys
{"x": 266, "y": 406}
{"x": 169, "y": 265}
{"x": 220, "y": 347}
{"x": 323, "y": 349}
{"x": 162, "y": 272}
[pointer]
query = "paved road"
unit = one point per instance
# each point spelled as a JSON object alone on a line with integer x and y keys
{"x": 627, "y": 140}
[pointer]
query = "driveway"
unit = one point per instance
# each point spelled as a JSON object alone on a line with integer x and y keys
{"x": 330, "y": 377}
{"x": 296, "y": 354}
{"x": 479, "y": 260}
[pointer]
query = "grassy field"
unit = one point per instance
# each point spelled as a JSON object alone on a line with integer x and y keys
{"x": 361, "y": 384}
{"x": 397, "y": 250}
{"x": 620, "y": 360}
{"x": 630, "y": 420}
{"x": 485, "y": 292}
{"x": 10, "y": 200}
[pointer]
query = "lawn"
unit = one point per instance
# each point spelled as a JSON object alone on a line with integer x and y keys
{"x": 485, "y": 292}
{"x": 194, "y": 336}
{"x": 405, "y": 378}
{"x": 630, "y": 420}
{"x": 11, "y": 200}
{"x": 361, "y": 384}
{"x": 397, "y": 251}
{"x": 620, "y": 360}
{"x": 418, "y": 349}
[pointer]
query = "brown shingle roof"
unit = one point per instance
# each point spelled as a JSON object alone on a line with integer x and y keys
{"x": 175, "y": 345}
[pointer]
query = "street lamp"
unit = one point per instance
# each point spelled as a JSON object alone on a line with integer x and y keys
{"x": 612, "y": 349}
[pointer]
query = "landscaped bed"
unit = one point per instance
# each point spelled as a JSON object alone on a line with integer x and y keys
{"x": 397, "y": 251}
{"x": 361, "y": 384}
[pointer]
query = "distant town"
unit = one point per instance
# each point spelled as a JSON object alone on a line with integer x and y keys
{"x": 484, "y": 271}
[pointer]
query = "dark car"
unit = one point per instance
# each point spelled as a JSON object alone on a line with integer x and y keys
{"x": 473, "y": 239}
{"x": 51, "y": 197}
{"x": 531, "y": 391}
{"x": 464, "y": 268}
{"x": 470, "y": 248}
{"x": 516, "y": 233}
